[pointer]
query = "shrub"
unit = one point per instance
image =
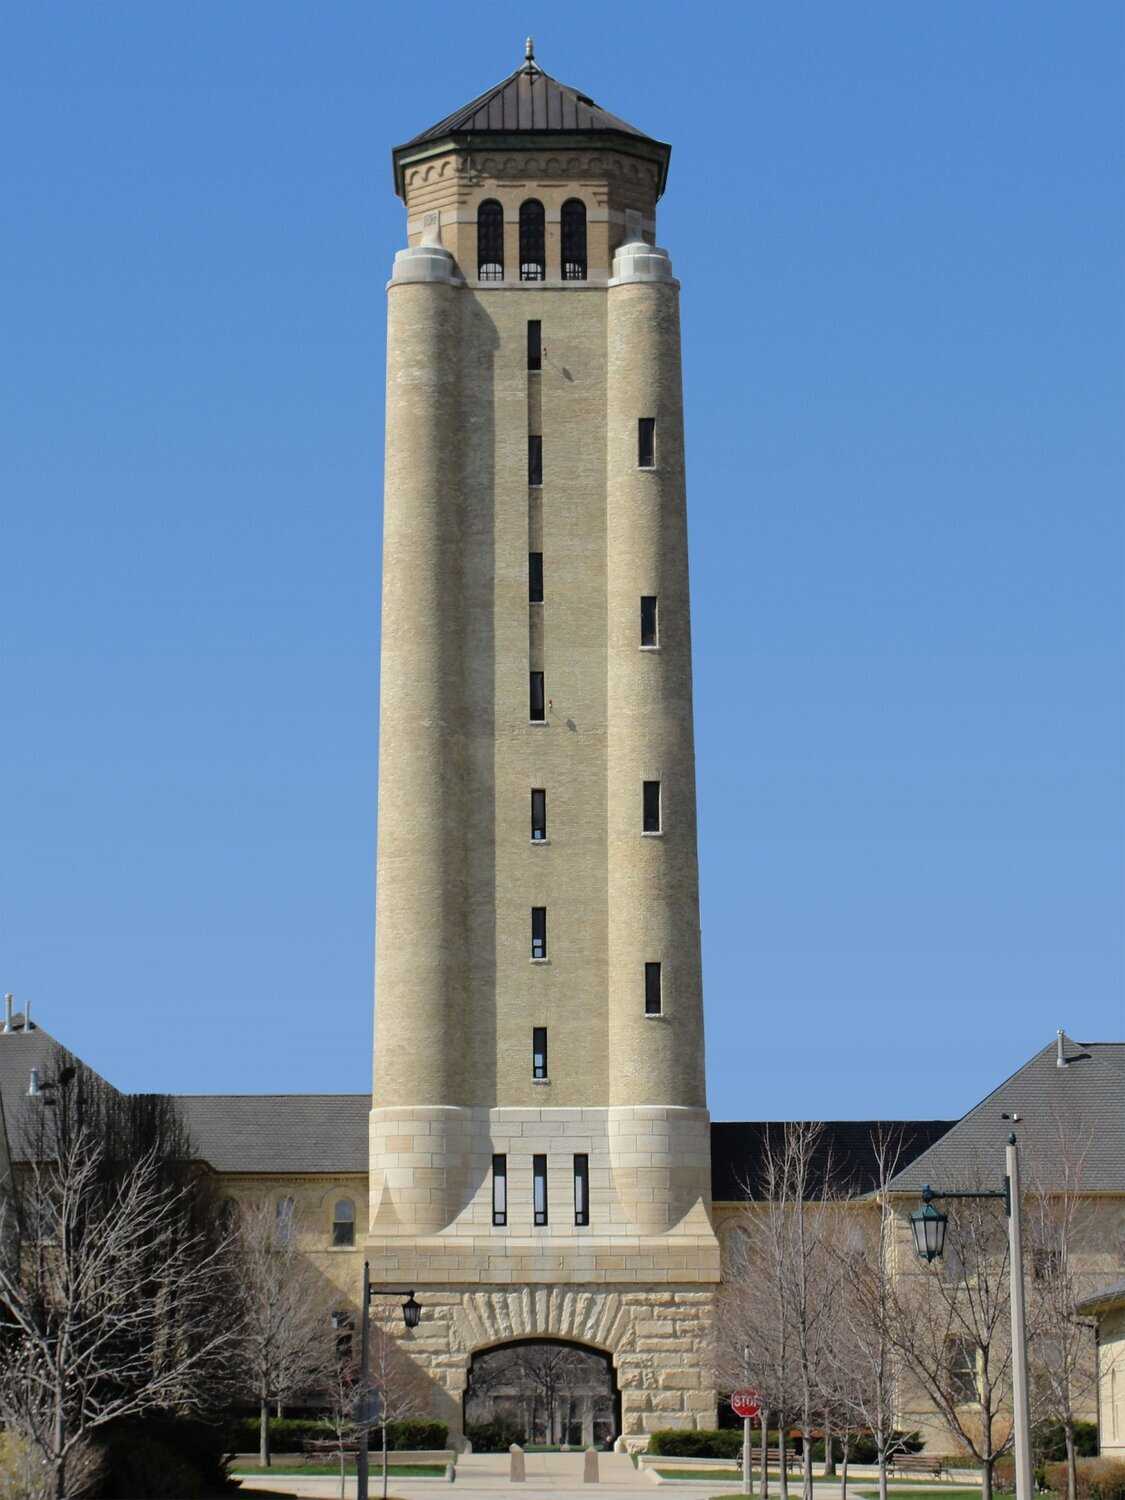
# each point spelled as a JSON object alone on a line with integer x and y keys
{"x": 1098, "y": 1478}
{"x": 19, "y": 1470}
{"x": 165, "y": 1458}
{"x": 496, "y": 1436}
{"x": 1049, "y": 1441}
{"x": 289, "y": 1434}
{"x": 708, "y": 1442}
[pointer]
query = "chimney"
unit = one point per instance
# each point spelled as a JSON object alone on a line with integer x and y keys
{"x": 7, "y": 1013}
{"x": 1060, "y": 1050}
{"x": 27, "y": 1015}
{"x": 33, "y": 1089}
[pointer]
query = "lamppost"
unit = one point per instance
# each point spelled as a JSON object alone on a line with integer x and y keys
{"x": 928, "y": 1225}
{"x": 365, "y": 1411}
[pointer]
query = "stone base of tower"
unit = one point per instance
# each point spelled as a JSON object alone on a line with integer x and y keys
{"x": 659, "y": 1338}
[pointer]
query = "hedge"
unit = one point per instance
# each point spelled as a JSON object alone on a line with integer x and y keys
{"x": 288, "y": 1434}
{"x": 706, "y": 1442}
{"x": 1098, "y": 1478}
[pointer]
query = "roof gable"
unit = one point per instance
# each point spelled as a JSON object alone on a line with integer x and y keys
{"x": 1079, "y": 1108}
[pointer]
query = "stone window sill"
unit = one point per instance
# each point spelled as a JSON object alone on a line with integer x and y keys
{"x": 539, "y": 844}
{"x": 652, "y": 833}
{"x": 545, "y": 1081}
{"x": 654, "y": 1015}
{"x": 537, "y": 723}
{"x": 648, "y": 648}
{"x": 539, "y": 960}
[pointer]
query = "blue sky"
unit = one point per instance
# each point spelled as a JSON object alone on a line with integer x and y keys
{"x": 899, "y": 230}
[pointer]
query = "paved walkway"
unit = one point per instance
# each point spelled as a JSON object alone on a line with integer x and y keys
{"x": 548, "y": 1475}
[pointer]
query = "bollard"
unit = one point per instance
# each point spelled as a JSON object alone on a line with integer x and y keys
{"x": 517, "y": 1470}
{"x": 620, "y": 1445}
{"x": 590, "y": 1466}
{"x": 450, "y": 1473}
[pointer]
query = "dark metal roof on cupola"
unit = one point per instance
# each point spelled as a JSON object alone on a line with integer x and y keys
{"x": 530, "y": 102}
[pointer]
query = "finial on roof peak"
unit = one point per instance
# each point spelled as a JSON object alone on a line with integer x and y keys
{"x": 529, "y": 50}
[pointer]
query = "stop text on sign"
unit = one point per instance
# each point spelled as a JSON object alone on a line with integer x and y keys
{"x": 746, "y": 1403}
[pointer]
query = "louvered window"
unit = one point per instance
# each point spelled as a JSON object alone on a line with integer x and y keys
{"x": 490, "y": 241}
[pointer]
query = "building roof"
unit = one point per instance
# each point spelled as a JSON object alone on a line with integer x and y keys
{"x": 1078, "y": 1108}
{"x": 849, "y": 1147}
{"x": 22, "y": 1049}
{"x": 279, "y": 1132}
{"x": 529, "y": 102}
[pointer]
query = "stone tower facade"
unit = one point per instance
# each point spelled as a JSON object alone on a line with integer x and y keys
{"x": 540, "y": 1150}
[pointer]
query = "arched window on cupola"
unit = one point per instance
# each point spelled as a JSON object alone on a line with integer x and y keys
{"x": 490, "y": 241}
{"x": 533, "y": 241}
{"x": 574, "y": 240}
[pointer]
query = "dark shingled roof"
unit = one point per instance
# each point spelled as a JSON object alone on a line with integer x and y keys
{"x": 279, "y": 1132}
{"x": 528, "y": 100}
{"x": 20, "y": 1051}
{"x": 1079, "y": 1108}
{"x": 737, "y": 1147}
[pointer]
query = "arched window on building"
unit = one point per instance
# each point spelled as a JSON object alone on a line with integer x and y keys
{"x": 533, "y": 241}
{"x": 574, "y": 240}
{"x": 343, "y": 1222}
{"x": 490, "y": 241}
{"x": 283, "y": 1225}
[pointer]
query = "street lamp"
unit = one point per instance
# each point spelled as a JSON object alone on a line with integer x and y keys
{"x": 928, "y": 1225}
{"x": 366, "y": 1408}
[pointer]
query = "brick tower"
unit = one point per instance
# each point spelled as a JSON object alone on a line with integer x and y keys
{"x": 540, "y": 1150}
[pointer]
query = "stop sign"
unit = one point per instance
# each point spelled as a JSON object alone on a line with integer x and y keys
{"x": 747, "y": 1403}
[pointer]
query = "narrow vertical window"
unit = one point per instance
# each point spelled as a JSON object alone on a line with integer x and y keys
{"x": 538, "y": 702}
{"x": 654, "y": 1003}
{"x": 646, "y": 442}
{"x": 574, "y": 240}
{"x": 490, "y": 241}
{"x": 535, "y": 577}
{"x": 650, "y": 809}
{"x": 499, "y": 1189}
{"x": 533, "y": 241}
{"x": 539, "y": 932}
{"x": 648, "y": 620}
{"x": 582, "y": 1189}
{"x": 538, "y": 814}
{"x": 534, "y": 344}
{"x": 539, "y": 1052}
{"x": 535, "y": 458}
{"x": 283, "y": 1221}
{"x": 539, "y": 1193}
{"x": 343, "y": 1222}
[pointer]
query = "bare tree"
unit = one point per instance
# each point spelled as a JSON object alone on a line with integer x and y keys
{"x": 1063, "y": 1358}
{"x": 778, "y": 1287}
{"x": 947, "y": 1324}
{"x": 342, "y": 1391}
{"x": 863, "y": 1362}
{"x": 399, "y": 1384}
{"x": 109, "y": 1310}
{"x": 287, "y": 1343}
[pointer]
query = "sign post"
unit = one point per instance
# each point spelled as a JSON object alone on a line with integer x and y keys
{"x": 747, "y": 1404}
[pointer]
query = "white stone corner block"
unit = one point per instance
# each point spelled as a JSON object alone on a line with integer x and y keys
{"x": 429, "y": 261}
{"x": 638, "y": 261}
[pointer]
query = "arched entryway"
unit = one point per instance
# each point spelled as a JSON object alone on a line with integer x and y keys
{"x": 549, "y": 1392}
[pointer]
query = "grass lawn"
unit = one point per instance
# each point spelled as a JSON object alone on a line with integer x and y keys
{"x": 282, "y": 1467}
{"x": 720, "y": 1476}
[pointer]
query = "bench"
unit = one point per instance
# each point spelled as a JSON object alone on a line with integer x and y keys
{"x": 916, "y": 1463}
{"x": 773, "y": 1458}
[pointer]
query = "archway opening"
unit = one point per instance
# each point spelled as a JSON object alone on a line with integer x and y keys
{"x": 542, "y": 1393}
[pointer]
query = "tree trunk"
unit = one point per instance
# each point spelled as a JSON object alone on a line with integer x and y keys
{"x": 264, "y": 1432}
{"x": 882, "y": 1476}
{"x": 1071, "y": 1461}
{"x": 784, "y": 1460}
{"x": 986, "y": 1479}
{"x": 341, "y": 1471}
{"x": 844, "y": 1470}
{"x": 765, "y": 1455}
{"x": 60, "y": 1441}
{"x": 829, "y": 1450}
{"x": 384, "y": 1460}
{"x": 806, "y": 1460}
